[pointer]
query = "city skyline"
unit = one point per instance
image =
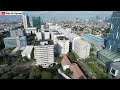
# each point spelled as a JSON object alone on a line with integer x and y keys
{"x": 69, "y": 14}
{"x": 63, "y": 14}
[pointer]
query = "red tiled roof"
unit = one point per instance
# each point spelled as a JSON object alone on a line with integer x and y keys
{"x": 65, "y": 60}
{"x": 77, "y": 73}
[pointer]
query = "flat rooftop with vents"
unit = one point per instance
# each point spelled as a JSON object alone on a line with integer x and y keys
{"x": 110, "y": 55}
{"x": 46, "y": 42}
{"x": 62, "y": 38}
{"x": 96, "y": 38}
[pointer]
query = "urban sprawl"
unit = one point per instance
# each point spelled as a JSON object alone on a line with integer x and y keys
{"x": 49, "y": 49}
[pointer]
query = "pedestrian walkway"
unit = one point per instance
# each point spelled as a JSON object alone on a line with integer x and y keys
{"x": 64, "y": 75}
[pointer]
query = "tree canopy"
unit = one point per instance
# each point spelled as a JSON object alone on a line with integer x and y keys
{"x": 46, "y": 75}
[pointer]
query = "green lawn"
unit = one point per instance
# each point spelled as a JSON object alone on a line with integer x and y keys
{"x": 89, "y": 60}
{"x": 95, "y": 69}
{"x": 72, "y": 57}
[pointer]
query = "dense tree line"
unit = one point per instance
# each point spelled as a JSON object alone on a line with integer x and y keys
{"x": 8, "y": 72}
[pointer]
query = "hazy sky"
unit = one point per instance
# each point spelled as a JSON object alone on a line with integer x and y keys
{"x": 69, "y": 14}
{"x": 63, "y": 14}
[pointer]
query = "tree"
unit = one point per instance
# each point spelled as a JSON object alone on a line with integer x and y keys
{"x": 14, "y": 72}
{"x": 56, "y": 77}
{"x": 46, "y": 75}
{"x": 58, "y": 60}
{"x": 72, "y": 57}
{"x": 19, "y": 59}
{"x": 68, "y": 72}
{"x": 25, "y": 58}
{"x": 5, "y": 76}
{"x": 35, "y": 74}
{"x": 57, "y": 66}
{"x": 20, "y": 76}
{"x": 81, "y": 77}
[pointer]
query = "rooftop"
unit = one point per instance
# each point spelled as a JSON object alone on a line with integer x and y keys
{"x": 62, "y": 38}
{"x": 31, "y": 28}
{"x": 83, "y": 44}
{"x": 77, "y": 73}
{"x": 17, "y": 29}
{"x": 96, "y": 38}
{"x": 116, "y": 65}
{"x": 50, "y": 42}
{"x": 57, "y": 33}
{"x": 27, "y": 50}
{"x": 46, "y": 30}
{"x": 110, "y": 55}
{"x": 65, "y": 60}
{"x": 21, "y": 37}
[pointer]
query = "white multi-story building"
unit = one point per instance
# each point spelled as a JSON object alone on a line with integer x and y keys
{"x": 46, "y": 34}
{"x": 72, "y": 37}
{"x": 38, "y": 36}
{"x": 62, "y": 45}
{"x": 31, "y": 30}
{"x": 54, "y": 36}
{"x": 42, "y": 26}
{"x": 81, "y": 48}
{"x": 44, "y": 54}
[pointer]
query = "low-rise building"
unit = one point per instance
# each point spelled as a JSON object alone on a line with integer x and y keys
{"x": 19, "y": 32}
{"x": 15, "y": 42}
{"x": 107, "y": 57}
{"x": 115, "y": 70}
{"x": 97, "y": 43}
{"x": 65, "y": 62}
{"x": 27, "y": 51}
{"x": 76, "y": 71}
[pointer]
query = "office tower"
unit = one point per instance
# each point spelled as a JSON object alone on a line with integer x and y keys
{"x": 113, "y": 41}
{"x": 15, "y": 42}
{"x": 36, "y": 22}
{"x": 112, "y": 52}
{"x": 44, "y": 53}
{"x": 62, "y": 45}
{"x": 19, "y": 32}
{"x": 26, "y": 21}
{"x": 81, "y": 48}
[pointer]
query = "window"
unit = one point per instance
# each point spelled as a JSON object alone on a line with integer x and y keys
{"x": 117, "y": 35}
{"x": 113, "y": 71}
{"x": 112, "y": 26}
{"x": 110, "y": 47}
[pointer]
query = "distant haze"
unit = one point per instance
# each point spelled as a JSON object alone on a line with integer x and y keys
{"x": 63, "y": 14}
